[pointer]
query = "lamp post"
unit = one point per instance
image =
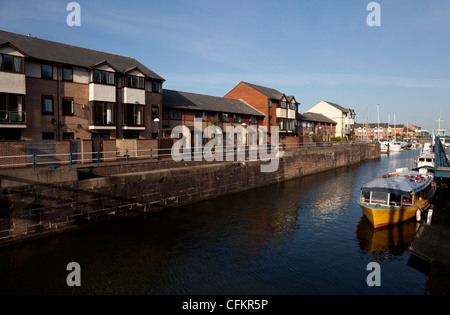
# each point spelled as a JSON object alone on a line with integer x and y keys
{"x": 159, "y": 143}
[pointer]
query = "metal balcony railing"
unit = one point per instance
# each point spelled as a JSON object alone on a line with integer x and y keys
{"x": 9, "y": 116}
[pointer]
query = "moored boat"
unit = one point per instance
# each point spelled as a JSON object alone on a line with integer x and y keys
{"x": 397, "y": 196}
{"x": 395, "y": 146}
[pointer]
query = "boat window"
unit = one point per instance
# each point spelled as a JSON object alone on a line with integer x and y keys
{"x": 406, "y": 200}
{"x": 365, "y": 196}
{"x": 395, "y": 200}
{"x": 379, "y": 198}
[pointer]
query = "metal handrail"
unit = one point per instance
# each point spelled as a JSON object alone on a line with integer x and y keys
{"x": 12, "y": 116}
{"x": 154, "y": 155}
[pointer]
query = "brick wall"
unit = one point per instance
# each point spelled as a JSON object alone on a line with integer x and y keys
{"x": 12, "y": 148}
{"x": 109, "y": 147}
{"x": 62, "y": 147}
{"x": 31, "y": 210}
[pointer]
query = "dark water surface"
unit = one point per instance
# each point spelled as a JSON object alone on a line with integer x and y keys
{"x": 304, "y": 236}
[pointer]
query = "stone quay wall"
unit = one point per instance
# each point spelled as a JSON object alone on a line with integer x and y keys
{"x": 59, "y": 200}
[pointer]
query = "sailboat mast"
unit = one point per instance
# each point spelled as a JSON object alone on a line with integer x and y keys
{"x": 378, "y": 121}
{"x": 367, "y": 124}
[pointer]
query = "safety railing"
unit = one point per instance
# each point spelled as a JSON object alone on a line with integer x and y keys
{"x": 10, "y": 116}
{"x": 150, "y": 155}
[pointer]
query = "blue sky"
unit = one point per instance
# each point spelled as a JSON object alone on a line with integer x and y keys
{"x": 313, "y": 49}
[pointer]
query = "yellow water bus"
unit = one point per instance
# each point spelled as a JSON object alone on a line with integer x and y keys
{"x": 397, "y": 196}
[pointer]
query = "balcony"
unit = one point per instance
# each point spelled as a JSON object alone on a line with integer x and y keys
{"x": 286, "y": 113}
{"x": 102, "y": 92}
{"x": 133, "y": 96}
{"x": 12, "y": 119}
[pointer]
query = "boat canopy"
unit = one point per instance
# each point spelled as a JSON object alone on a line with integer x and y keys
{"x": 405, "y": 182}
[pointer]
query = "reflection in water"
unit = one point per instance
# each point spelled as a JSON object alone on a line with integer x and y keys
{"x": 303, "y": 236}
{"x": 394, "y": 239}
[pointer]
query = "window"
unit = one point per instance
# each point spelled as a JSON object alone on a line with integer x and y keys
{"x": 253, "y": 119}
{"x": 283, "y": 104}
{"x": 155, "y": 87}
{"x": 47, "y": 105}
{"x": 136, "y": 82}
{"x": 48, "y": 136}
{"x": 133, "y": 115}
{"x": 102, "y": 77}
{"x": 155, "y": 112}
{"x": 102, "y": 113}
{"x": 175, "y": 114}
{"x": 12, "y": 108}
{"x": 67, "y": 106}
{"x": 46, "y": 71}
{"x": 200, "y": 115}
{"x": 11, "y": 63}
{"x": 68, "y": 135}
{"x": 225, "y": 117}
{"x": 270, "y": 104}
{"x": 293, "y": 106}
{"x": 281, "y": 122}
{"x": 236, "y": 118}
{"x": 67, "y": 73}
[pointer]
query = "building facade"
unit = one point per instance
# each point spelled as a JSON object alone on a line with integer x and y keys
{"x": 344, "y": 117}
{"x": 182, "y": 108}
{"x": 316, "y": 127}
{"x": 279, "y": 109}
{"x": 385, "y": 131}
{"x": 50, "y": 90}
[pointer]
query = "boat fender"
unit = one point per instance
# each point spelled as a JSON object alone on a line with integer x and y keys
{"x": 430, "y": 214}
{"x": 418, "y": 215}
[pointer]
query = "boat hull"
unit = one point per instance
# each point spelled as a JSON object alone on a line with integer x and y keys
{"x": 380, "y": 216}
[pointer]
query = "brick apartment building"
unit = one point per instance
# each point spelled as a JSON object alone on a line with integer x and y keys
{"x": 181, "y": 108}
{"x": 382, "y": 131}
{"x": 278, "y": 108}
{"x": 50, "y": 90}
{"x": 316, "y": 127}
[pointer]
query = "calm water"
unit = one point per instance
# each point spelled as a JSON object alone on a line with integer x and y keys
{"x": 305, "y": 236}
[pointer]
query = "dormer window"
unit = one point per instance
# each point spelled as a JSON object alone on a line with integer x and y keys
{"x": 11, "y": 63}
{"x": 133, "y": 81}
{"x": 102, "y": 77}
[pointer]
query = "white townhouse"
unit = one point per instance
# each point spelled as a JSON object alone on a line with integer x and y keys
{"x": 344, "y": 117}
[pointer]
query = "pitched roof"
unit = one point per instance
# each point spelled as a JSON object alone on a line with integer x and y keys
{"x": 200, "y": 102}
{"x": 269, "y": 92}
{"x": 72, "y": 55}
{"x": 346, "y": 110}
{"x": 317, "y": 118}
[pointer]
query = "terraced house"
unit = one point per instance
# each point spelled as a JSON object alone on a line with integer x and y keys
{"x": 279, "y": 109}
{"x": 182, "y": 108}
{"x": 50, "y": 90}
